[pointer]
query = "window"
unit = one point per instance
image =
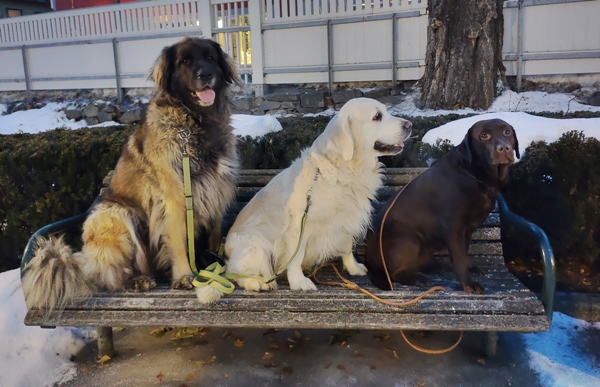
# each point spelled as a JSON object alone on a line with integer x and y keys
{"x": 13, "y": 12}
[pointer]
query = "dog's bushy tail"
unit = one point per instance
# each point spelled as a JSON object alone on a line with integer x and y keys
{"x": 54, "y": 277}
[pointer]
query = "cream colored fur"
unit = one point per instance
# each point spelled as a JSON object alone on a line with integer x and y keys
{"x": 266, "y": 232}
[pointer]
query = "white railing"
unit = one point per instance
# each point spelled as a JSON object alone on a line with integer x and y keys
{"x": 276, "y": 11}
{"x": 145, "y": 18}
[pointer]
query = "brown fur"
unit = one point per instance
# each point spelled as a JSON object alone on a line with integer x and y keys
{"x": 138, "y": 227}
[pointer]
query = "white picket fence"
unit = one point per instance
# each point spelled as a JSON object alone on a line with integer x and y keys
{"x": 279, "y": 41}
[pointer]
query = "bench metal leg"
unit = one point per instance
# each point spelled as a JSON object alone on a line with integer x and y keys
{"x": 489, "y": 344}
{"x": 105, "y": 342}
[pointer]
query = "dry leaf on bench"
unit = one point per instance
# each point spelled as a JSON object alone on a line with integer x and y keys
{"x": 212, "y": 359}
{"x": 160, "y": 377}
{"x": 239, "y": 343}
{"x": 396, "y": 355}
{"x": 267, "y": 356}
{"x": 326, "y": 366}
{"x": 341, "y": 367}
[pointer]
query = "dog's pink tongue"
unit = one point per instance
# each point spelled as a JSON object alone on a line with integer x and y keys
{"x": 207, "y": 95}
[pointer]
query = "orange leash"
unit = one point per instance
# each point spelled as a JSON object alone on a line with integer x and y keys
{"x": 346, "y": 283}
{"x": 352, "y": 286}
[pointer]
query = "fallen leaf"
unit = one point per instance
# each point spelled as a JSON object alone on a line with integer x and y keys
{"x": 83, "y": 369}
{"x": 177, "y": 349}
{"x": 382, "y": 336}
{"x": 387, "y": 349}
{"x": 200, "y": 362}
{"x": 326, "y": 366}
{"x": 239, "y": 343}
{"x": 344, "y": 344}
{"x": 212, "y": 359}
{"x": 357, "y": 353}
{"x": 184, "y": 333}
{"x": 420, "y": 384}
{"x": 160, "y": 377}
{"x": 160, "y": 332}
{"x": 273, "y": 347}
{"x": 119, "y": 329}
{"x": 396, "y": 355}
{"x": 104, "y": 359}
{"x": 481, "y": 361}
{"x": 267, "y": 356}
{"x": 189, "y": 377}
{"x": 226, "y": 375}
{"x": 292, "y": 340}
{"x": 341, "y": 367}
{"x": 269, "y": 365}
{"x": 225, "y": 334}
{"x": 298, "y": 334}
{"x": 288, "y": 370}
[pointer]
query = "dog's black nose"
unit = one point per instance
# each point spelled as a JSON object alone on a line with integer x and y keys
{"x": 407, "y": 125}
{"x": 504, "y": 148}
{"x": 205, "y": 74}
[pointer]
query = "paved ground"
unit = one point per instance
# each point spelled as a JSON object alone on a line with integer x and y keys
{"x": 368, "y": 358}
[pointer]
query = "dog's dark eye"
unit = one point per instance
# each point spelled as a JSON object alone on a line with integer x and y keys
{"x": 186, "y": 61}
{"x": 210, "y": 57}
{"x": 378, "y": 116}
{"x": 507, "y": 132}
{"x": 484, "y": 136}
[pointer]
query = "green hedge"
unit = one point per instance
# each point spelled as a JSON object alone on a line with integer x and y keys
{"x": 50, "y": 176}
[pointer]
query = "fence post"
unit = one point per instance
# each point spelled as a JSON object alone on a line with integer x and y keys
{"x": 117, "y": 71}
{"x": 330, "y": 55}
{"x": 26, "y": 72}
{"x": 205, "y": 18}
{"x": 256, "y": 46}
{"x": 394, "y": 51}
{"x": 519, "y": 45}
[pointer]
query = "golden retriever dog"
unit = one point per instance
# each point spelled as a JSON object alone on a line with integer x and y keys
{"x": 138, "y": 226}
{"x": 341, "y": 173}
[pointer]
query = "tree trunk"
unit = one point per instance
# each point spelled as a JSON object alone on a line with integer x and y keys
{"x": 463, "y": 61}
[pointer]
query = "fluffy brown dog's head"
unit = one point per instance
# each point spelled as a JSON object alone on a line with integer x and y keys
{"x": 194, "y": 71}
{"x": 491, "y": 146}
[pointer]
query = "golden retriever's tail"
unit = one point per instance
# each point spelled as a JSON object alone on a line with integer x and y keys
{"x": 54, "y": 277}
{"x": 208, "y": 294}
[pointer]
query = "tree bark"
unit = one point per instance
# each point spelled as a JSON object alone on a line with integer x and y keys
{"x": 463, "y": 61}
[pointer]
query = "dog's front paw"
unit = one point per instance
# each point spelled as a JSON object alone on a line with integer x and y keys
{"x": 256, "y": 285}
{"x": 142, "y": 283}
{"x": 475, "y": 270}
{"x": 473, "y": 287}
{"x": 357, "y": 269}
{"x": 302, "y": 284}
{"x": 184, "y": 282}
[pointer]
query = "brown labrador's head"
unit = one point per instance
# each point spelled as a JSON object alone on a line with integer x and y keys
{"x": 194, "y": 71}
{"x": 489, "y": 145}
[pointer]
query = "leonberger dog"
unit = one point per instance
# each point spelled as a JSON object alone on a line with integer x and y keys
{"x": 137, "y": 228}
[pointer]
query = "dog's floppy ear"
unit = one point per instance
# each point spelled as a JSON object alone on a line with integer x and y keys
{"x": 162, "y": 70}
{"x": 464, "y": 148}
{"x": 227, "y": 65}
{"x": 517, "y": 153}
{"x": 337, "y": 138}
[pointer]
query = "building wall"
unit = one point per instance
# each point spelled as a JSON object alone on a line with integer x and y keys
{"x": 27, "y": 7}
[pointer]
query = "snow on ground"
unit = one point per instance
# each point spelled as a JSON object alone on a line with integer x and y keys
{"x": 527, "y": 127}
{"x": 32, "y": 356}
{"x": 40, "y": 120}
{"x": 508, "y": 101}
{"x": 254, "y": 126}
{"x": 556, "y": 358}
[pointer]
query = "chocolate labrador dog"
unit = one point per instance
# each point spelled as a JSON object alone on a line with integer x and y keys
{"x": 441, "y": 208}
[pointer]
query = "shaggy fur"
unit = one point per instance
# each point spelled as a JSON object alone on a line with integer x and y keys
{"x": 138, "y": 227}
{"x": 342, "y": 173}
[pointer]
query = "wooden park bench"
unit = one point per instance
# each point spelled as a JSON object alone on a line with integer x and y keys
{"x": 507, "y": 304}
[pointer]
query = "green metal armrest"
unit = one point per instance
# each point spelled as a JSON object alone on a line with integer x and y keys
{"x": 549, "y": 284}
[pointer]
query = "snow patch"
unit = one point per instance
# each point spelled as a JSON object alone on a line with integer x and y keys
{"x": 527, "y": 127}
{"x": 40, "y": 120}
{"x": 554, "y": 355}
{"x": 508, "y": 101}
{"x": 32, "y": 356}
{"x": 254, "y": 126}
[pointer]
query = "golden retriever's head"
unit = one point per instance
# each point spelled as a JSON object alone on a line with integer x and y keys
{"x": 194, "y": 71}
{"x": 363, "y": 126}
